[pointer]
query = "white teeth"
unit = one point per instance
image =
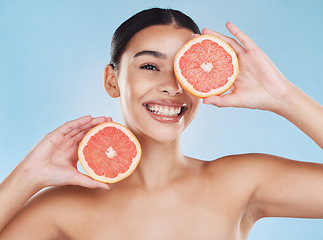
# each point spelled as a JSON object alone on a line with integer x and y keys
{"x": 164, "y": 110}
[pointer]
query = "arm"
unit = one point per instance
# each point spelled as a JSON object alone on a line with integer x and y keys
{"x": 260, "y": 85}
{"x": 304, "y": 113}
{"x": 52, "y": 162}
{"x": 287, "y": 188}
{"x": 282, "y": 187}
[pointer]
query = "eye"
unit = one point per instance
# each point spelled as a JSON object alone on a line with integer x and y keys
{"x": 149, "y": 67}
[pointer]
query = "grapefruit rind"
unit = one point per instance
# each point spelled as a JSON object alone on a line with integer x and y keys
{"x": 187, "y": 86}
{"x": 103, "y": 178}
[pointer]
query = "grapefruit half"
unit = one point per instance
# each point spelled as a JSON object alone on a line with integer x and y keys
{"x": 206, "y": 66}
{"x": 109, "y": 152}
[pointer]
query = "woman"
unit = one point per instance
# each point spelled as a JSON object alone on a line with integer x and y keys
{"x": 169, "y": 195}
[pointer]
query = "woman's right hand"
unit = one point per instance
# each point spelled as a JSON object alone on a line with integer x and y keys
{"x": 53, "y": 161}
{"x": 259, "y": 85}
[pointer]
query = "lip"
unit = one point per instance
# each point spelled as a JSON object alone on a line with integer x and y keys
{"x": 165, "y": 102}
{"x": 163, "y": 118}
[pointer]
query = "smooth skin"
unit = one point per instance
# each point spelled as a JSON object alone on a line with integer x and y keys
{"x": 169, "y": 195}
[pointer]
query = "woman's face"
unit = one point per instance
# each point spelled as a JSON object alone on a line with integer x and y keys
{"x": 151, "y": 99}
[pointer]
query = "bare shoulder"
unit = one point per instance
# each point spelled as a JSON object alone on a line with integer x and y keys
{"x": 60, "y": 199}
{"x": 262, "y": 179}
{"x": 249, "y": 162}
{"x": 66, "y": 194}
{"x": 244, "y": 173}
{"x": 49, "y": 213}
{"x": 259, "y": 164}
{"x": 243, "y": 170}
{"x": 240, "y": 177}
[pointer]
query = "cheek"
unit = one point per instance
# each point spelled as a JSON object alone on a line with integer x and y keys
{"x": 129, "y": 88}
{"x": 135, "y": 84}
{"x": 132, "y": 89}
{"x": 196, "y": 101}
{"x": 195, "y": 105}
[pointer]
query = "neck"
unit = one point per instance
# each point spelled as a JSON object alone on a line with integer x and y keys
{"x": 160, "y": 162}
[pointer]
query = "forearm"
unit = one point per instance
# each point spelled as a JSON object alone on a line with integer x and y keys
{"x": 15, "y": 191}
{"x": 304, "y": 113}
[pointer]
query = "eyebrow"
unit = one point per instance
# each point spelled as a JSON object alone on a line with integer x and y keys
{"x": 151, "y": 53}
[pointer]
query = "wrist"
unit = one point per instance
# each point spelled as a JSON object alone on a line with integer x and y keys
{"x": 304, "y": 113}
{"x": 26, "y": 180}
{"x": 289, "y": 103}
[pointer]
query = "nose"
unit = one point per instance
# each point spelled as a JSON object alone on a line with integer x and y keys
{"x": 170, "y": 86}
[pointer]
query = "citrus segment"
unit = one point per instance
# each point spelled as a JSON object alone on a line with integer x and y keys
{"x": 206, "y": 66}
{"x": 109, "y": 152}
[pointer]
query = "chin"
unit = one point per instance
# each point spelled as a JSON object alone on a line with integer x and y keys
{"x": 166, "y": 138}
{"x": 161, "y": 134}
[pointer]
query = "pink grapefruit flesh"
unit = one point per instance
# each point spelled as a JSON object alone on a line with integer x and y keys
{"x": 206, "y": 66}
{"x": 109, "y": 152}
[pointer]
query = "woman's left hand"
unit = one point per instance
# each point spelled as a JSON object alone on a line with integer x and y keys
{"x": 259, "y": 85}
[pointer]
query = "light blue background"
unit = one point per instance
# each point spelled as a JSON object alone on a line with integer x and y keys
{"x": 52, "y": 56}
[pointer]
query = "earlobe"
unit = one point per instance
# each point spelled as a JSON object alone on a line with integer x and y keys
{"x": 110, "y": 82}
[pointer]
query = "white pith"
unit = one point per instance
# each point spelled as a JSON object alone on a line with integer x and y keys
{"x": 110, "y": 152}
{"x": 164, "y": 110}
{"x": 207, "y": 67}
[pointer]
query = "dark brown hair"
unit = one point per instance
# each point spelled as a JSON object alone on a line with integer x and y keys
{"x": 144, "y": 19}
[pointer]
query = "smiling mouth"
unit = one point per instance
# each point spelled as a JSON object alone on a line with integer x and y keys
{"x": 169, "y": 111}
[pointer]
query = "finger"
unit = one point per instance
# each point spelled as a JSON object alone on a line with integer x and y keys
{"x": 109, "y": 119}
{"x": 223, "y": 101}
{"x": 85, "y": 181}
{"x": 232, "y": 42}
{"x": 95, "y": 121}
{"x": 241, "y": 36}
{"x": 79, "y": 134}
{"x": 71, "y": 125}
